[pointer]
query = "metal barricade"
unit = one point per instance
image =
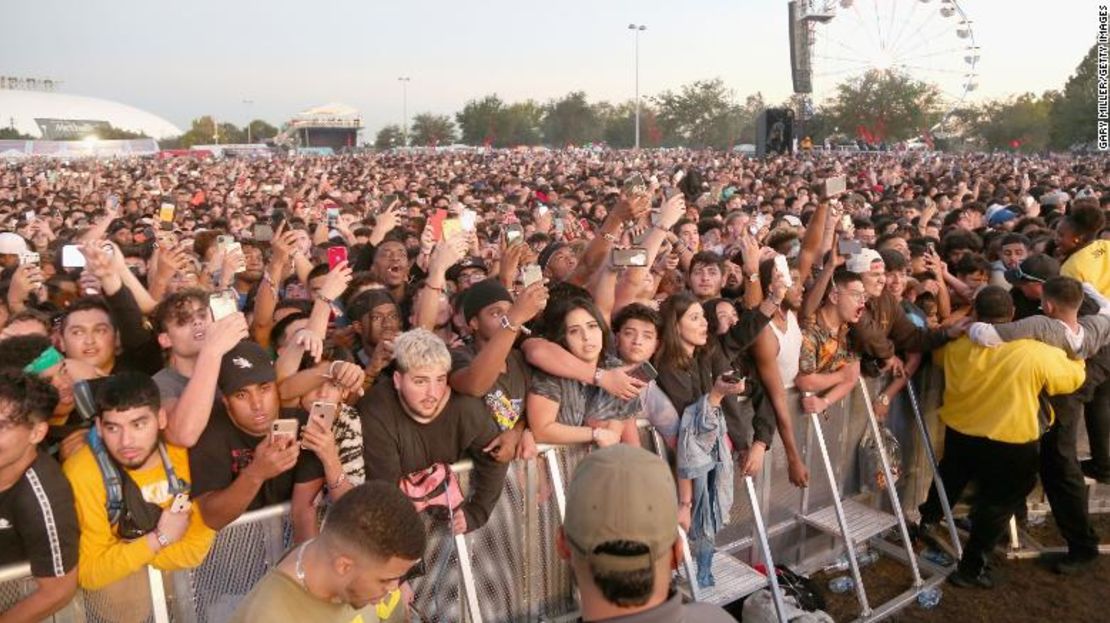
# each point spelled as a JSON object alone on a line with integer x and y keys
{"x": 516, "y": 572}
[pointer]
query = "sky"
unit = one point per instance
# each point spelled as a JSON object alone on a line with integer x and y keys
{"x": 184, "y": 60}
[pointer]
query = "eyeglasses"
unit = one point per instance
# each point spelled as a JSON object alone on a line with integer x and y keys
{"x": 858, "y": 295}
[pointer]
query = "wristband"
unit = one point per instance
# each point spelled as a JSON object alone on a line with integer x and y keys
{"x": 321, "y": 297}
{"x": 597, "y": 376}
{"x": 594, "y": 433}
{"x": 338, "y": 481}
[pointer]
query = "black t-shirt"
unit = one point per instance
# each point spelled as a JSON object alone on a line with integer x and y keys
{"x": 506, "y": 399}
{"x": 395, "y": 445}
{"x": 224, "y": 450}
{"x": 38, "y": 522}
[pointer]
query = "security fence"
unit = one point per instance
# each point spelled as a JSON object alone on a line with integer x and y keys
{"x": 509, "y": 569}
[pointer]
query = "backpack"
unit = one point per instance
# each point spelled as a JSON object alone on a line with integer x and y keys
{"x": 124, "y": 500}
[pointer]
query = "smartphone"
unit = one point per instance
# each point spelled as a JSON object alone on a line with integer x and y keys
{"x": 29, "y": 258}
{"x": 931, "y": 246}
{"x": 336, "y": 255}
{"x": 166, "y": 240}
{"x": 29, "y": 215}
{"x": 848, "y": 247}
{"x": 560, "y": 226}
{"x": 514, "y": 234}
{"x": 323, "y": 413}
{"x": 757, "y": 224}
{"x": 181, "y": 503}
{"x": 784, "y": 270}
{"x": 452, "y": 227}
{"x": 833, "y": 186}
{"x": 387, "y": 201}
{"x": 277, "y": 217}
{"x": 542, "y": 210}
{"x": 636, "y": 257}
{"x": 284, "y": 429}
{"x": 634, "y": 184}
{"x": 263, "y": 232}
{"x": 846, "y": 222}
{"x": 645, "y": 372}
{"x": 731, "y": 377}
{"x": 531, "y": 274}
{"x": 468, "y": 220}
{"x": 224, "y": 242}
{"x": 436, "y": 222}
{"x": 223, "y": 303}
{"x": 72, "y": 257}
{"x": 165, "y": 213}
{"x": 333, "y": 217}
{"x": 113, "y": 201}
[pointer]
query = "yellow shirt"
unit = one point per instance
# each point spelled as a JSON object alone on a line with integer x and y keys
{"x": 992, "y": 392}
{"x": 1091, "y": 264}
{"x": 103, "y": 557}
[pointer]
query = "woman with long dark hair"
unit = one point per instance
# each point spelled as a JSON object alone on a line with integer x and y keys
{"x": 562, "y": 410}
{"x": 704, "y": 387}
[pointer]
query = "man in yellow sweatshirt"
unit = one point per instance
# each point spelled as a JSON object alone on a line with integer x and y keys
{"x": 138, "y": 523}
{"x": 991, "y": 411}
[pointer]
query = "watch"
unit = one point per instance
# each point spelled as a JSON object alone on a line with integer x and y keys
{"x": 162, "y": 540}
{"x": 883, "y": 399}
{"x": 754, "y": 277}
{"x": 507, "y": 324}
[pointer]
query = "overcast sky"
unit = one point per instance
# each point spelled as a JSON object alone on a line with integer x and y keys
{"x": 183, "y": 60}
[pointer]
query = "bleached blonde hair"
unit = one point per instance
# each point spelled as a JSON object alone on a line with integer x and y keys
{"x": 420, "y": 348}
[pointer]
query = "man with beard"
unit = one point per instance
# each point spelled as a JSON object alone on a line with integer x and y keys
{"x": 415, "y": 423}
{"x": 370, "y": 540}
{"x": 196, "y": 346}
{"x": 237, "y": 464}
{"x": 128, "y": 464}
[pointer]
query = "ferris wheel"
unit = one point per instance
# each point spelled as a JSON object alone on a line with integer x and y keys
{"x": 932, "y": 41}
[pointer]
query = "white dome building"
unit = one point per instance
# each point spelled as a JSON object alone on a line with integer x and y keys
{"x": 62, "y": 116}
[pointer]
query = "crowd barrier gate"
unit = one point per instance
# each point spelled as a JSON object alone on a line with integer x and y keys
{"x": 514, "y": 571}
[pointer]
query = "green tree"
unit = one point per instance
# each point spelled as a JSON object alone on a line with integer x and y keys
{"x": 261, "y": 131}
{"x": 389, "y": 137}
{"x": 202, "y": 131}
{"x": 11, "y": 134}
{"x": 888, "y": 105}
{"x": 519, "y": 123}
{"x": 620, "y": 125}
{"x": 429, "y": 129}
{"x": 1025, "y": 119}
{"x": 701, "y": 114}
{"x": 478, "y": 119}
{"x": 1073, "y": 113}
{"x": 572, "y": 121}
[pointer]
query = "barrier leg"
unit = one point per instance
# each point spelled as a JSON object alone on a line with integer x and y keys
{"x": 891, "y": 489}
{"x": 807, "y": 443}
{"x": 470, "y": 591}
{"x": 765, "y": 546}
{"x": 688, "y": 563}
{"x": 841, "y": 520}
{"x": 556, "y": 482}
{"x": 157, "y": 595}
{"x": 938, "y": 482}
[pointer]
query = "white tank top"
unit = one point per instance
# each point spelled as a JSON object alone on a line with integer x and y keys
{"x": 790, "y": 349}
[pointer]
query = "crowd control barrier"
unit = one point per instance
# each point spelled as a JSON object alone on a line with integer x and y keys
{"x": 509, "y": 569}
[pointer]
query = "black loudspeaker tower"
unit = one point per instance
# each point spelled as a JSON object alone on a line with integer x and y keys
{"x": 774, "y": 132}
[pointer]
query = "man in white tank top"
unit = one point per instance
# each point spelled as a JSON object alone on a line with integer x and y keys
{"x": 776, "y": 352}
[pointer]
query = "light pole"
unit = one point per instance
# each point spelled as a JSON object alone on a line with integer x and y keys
{"x": 248, "y": 103}
{"x": 637, "y": 29}
{"x": 404, "y": 80}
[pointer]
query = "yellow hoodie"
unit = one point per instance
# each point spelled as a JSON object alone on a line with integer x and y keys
{"x": 992, "y": 392}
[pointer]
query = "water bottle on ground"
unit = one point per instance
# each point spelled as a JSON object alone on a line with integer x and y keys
{"x": 842, "y": 584}
{"x": 937, "y": 557}
{"x": 929, "y": 598}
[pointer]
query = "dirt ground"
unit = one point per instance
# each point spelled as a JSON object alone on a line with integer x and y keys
{"x": 1025, "y": 590}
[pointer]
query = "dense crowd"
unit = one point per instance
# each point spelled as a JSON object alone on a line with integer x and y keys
{"x": 186, "y": 340}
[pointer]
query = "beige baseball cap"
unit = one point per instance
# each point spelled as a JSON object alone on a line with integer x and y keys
{"x": 861, "y": 262}
{"x": 621, "y": 493}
